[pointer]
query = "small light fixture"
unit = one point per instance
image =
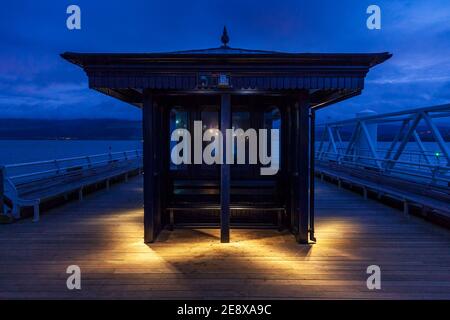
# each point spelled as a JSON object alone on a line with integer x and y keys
{"x": 224, "y": 80}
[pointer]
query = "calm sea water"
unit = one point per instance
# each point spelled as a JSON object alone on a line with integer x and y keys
{"x": 18, "y": 151}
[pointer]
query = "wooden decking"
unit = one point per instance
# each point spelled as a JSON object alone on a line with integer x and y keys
{"x": 103, "y": 235}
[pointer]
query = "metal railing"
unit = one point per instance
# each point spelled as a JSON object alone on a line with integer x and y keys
{"x": 406, "y": 155}
{"x": 40, "y": 169}
{"x": 14, "y": 175}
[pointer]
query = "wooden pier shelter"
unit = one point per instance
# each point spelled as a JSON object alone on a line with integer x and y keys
{"x": 228, "y": 87}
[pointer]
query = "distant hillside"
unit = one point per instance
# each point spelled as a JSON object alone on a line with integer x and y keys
{"x": 114, "y": 129}
{"x": 82, "y": 129}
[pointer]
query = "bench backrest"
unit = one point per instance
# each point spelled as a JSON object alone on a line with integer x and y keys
{"x": 208, "y": 191}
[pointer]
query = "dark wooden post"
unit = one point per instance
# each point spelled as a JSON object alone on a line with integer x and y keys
{"x": 225, "y": 123}
{"x": 312, "y": 152}
{"x": 287, "y": 143}
{"x": 293, "y": 174}
{"x": 2, "y": 180}
{"x": 157, "y": 149}
{"x": 149, "y": 124}
{"x": 303, "y": 167}
{"x": 165, "y": 161}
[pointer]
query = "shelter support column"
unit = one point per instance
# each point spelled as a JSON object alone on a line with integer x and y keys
{"x": 303, "y": 174}
{"x": 225, "y": 123}
{"x": 312, "y": 151}
{"x": 152, "y": 165}
{"x": 291, "y": 155}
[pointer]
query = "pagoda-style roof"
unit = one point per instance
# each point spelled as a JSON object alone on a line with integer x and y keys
{"x": 330, "y": 77}
{"x": 229, "y": 54}
{"x": 223, "y": 50}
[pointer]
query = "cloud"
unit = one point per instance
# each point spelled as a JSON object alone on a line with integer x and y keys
{"x": 420, "y": 16}
{"x": 20, "y": 107}
{"x": 409, "y": 79}
{"x": 36, "y": 82}
{"x": 31, "y": 93}
{"x": 59, "y": 100}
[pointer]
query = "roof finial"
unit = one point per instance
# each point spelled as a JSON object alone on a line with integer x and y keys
{"x": 225, "y": 39}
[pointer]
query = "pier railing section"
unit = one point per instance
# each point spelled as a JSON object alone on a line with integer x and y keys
{"x": 416, "y": 151}
{"x": 40, "y": 169}
{"x": 13, "y": 176}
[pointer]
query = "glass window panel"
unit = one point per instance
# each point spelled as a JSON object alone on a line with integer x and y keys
{"x": 240, "y": 120}
{"x": 272, "y": 120}
{"x": 210, "y": 121}
{"x": 178, "y": 120}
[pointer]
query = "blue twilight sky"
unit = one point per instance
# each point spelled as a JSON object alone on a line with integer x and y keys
{"x": 35, "y": 82}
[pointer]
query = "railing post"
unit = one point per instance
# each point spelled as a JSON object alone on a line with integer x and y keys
{"x": 88, "y": 158}
{"x": 437, "y": 136}
{"x": 2, "y": 190}
{"x": 57, "y": 166}
{"x": 139, "y": 161}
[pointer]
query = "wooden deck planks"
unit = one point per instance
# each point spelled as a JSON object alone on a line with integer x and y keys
{"x": 104, "y": 236}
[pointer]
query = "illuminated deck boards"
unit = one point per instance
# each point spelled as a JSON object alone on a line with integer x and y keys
{"x": 103, "y": 235}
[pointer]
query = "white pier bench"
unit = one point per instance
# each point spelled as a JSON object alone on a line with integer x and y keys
{"x": 29, "y": 184}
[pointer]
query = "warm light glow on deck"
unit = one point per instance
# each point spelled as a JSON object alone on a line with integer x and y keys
{"x": 103, "y": 235}
{"x": 197, "y": 251}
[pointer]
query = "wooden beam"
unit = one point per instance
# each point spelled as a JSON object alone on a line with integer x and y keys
{"x": 165, "y": 160}
{"x": 118, "y": 95}
{"x": 336, "y": 98}
{"x": 288, "y": 165}
{"x": 293, "y": 170}
{"x": 312, "y": 174}
{"x": 149, "y": 121}
{"x": 225, "y": 123}
{"x": 157, "y": 149}
{"x": 303, "y": 167}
